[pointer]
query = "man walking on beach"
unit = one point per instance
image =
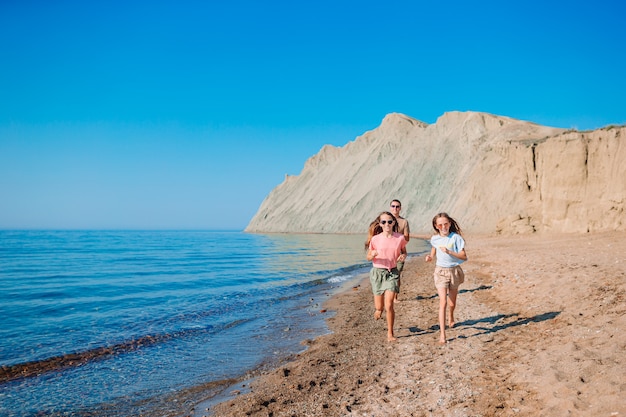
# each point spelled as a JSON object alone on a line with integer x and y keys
{"x": 403, "y": 228}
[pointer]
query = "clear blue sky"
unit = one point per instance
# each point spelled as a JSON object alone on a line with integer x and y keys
{"x": 186, "y": 114}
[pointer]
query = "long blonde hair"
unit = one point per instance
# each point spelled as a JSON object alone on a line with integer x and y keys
{"x": 374, "y": 229}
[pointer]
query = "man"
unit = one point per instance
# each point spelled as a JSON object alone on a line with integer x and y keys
{"x": 403, "y": 228}
{"x": 403, "y": 224}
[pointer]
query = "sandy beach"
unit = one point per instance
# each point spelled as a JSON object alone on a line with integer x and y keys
{"x": 539, "y": 332}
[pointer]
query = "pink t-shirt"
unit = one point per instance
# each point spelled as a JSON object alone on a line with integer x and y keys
{"x": 388, "y": 248}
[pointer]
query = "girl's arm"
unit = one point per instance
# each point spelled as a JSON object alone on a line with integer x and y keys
{"x": 460, "y": 254}
{"x": 403, "y": 255}
{"x": 371, "y": 254}
{"x": 431, "y": 255}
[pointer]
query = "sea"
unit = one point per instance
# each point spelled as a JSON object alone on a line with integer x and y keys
{"x": 159, "y": 323}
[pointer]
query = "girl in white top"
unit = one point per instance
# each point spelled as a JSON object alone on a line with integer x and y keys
{"x": 449, "y": 247}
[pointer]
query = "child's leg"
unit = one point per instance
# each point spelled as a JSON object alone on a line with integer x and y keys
{"x": 395, "y": 297}
{"x": 400, "y": 266}
{"x": 442, "y": 292}
{"x": 391, "y": 314}
{"x": 452, "y": 299}
{"x": 378, "y": 306}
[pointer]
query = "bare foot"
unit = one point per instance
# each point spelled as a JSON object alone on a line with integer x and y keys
{"x": 395, "y": 300}
{"x": 451, "y": 321}
{"x": 378, "y": 314}
{"x": 442, "y": 342}
{"x": 392, "y": 339}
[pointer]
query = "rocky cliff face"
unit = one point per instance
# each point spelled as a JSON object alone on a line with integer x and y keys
{"x": 491, "y": 173}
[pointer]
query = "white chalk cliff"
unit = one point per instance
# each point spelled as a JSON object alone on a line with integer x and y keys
{"x": 493, "y": 174}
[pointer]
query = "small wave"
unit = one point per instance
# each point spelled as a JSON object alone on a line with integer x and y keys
{"x": 73, "y": 360}
{"x": 348, "y": 273}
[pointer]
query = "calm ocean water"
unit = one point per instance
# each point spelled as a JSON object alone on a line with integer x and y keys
{"x": 122, "y": 323}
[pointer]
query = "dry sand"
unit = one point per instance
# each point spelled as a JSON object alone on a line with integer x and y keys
{"x": 540, "y": 332}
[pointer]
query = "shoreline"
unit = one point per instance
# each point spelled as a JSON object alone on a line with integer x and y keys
{"x": 539, "y": 323}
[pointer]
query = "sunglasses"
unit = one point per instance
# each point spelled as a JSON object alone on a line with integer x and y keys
{"x": 386, "y": 221}
{"x": 394, "y": 206}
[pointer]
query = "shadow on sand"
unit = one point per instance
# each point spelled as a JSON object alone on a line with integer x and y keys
{"x": 487, "y": 325}
{"x": 521, "y": 321}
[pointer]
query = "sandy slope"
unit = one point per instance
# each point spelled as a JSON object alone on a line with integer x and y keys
{"x": 540, "y": 332}
{"x": 493, "y": 174}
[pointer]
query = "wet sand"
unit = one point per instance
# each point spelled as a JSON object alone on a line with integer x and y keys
{"x": 539, "y": 331}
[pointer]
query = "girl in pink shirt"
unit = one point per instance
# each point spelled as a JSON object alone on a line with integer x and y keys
{"x": 385, "y": 250}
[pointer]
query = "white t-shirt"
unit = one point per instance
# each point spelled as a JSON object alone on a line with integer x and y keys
{"x": 453, "y": 242}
